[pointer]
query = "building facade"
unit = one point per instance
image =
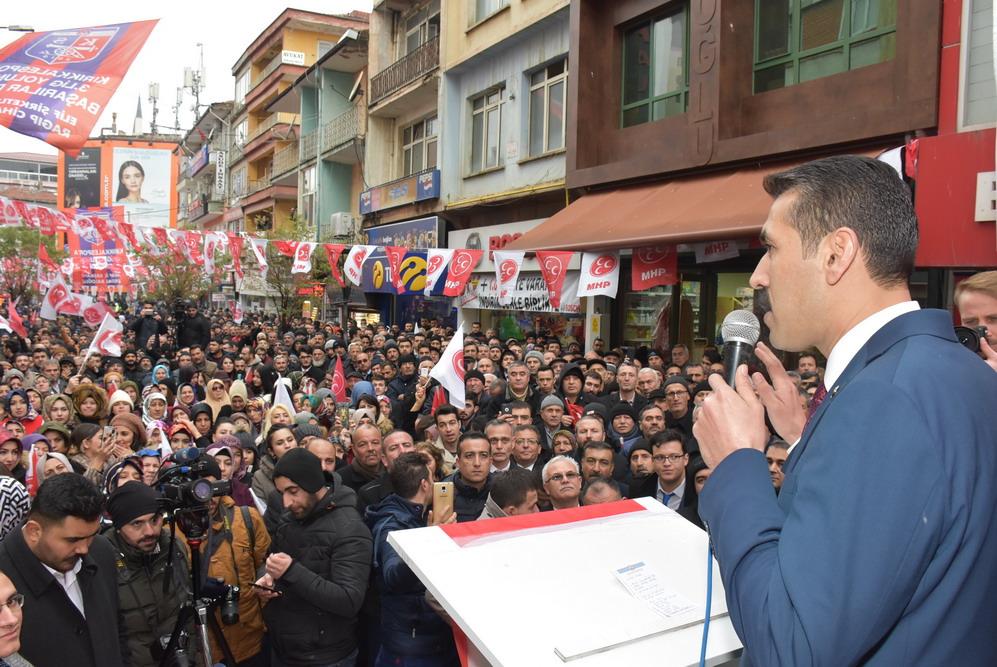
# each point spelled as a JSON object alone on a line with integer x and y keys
{"x": 203, "y": 173}
{"x": 29, "y": 177}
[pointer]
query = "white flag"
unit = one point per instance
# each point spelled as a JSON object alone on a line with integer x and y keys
{"x": 449, "y": 370}
{"x": 237, "y": 313}
{"x": 259, "y": 247}
{"x": 281, "y": 397}
{"x": 107, "y": 340}
{"x": 57, "y": 295}
{"x": 600, "y": 274}
{"x": 354, "y": 262}
{"x": 437, "y": 260}
{"x": 303, "y": 258}
{"x": 507, "y": 266}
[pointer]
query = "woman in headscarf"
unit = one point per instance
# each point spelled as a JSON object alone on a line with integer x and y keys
{"x": 238, "y": 395}
{"x": 11, "y": 455}
{"x": 256, "y": 408}
{"x": 380, "y": 419}
{"x": 14, "y": 505}
{"x": 203, "y": 419}
{"x": 18, "y": 408}
{"x": 132, "y": 390}
{"x": 129, "y": 434}
{"x": 156, "y": 437}
{"x": 96, "y": 450}
{"x": 58, "y": 409}
{"x": 90, "y": 404}
{"x": 54, "y": 463}
{"x": 159, "y": 373}
{"x": 35, "y": 398}
{"x": 186, "y": 395}
{"x": 218, "y": 399}
{"x": 121, "y": 472}
{"x": 154, "y": 407}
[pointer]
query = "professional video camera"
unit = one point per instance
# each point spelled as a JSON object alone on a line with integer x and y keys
{"x": 185, "y": 498}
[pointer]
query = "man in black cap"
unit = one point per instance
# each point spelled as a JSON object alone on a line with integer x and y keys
{"x": 143, "y": 559}
{"x": 319, "y": 566}
{"x": 403, "y": 386}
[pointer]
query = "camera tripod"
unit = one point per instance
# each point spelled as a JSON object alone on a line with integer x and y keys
{"x": 199, "y": 609}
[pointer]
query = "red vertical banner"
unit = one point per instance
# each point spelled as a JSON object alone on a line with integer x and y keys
{"x": 461, "y": 266}
{"x": 235, "y": 249}
{"x": 332, "y": 253}
{"x": 554, "y": 269}
{"x": 654, "y": 266}
{"x": 395, "y": 256}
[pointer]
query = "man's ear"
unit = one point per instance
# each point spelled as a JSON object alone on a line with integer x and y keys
{"x": 33, "y": 532}
{"x": 841, "y": 251}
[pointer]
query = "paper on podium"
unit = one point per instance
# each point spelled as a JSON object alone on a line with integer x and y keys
{"x": 596, "y": 586}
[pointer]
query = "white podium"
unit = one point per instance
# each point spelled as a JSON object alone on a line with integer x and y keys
{"x": 543, "y": 591}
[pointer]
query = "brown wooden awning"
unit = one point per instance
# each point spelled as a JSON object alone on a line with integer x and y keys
{"x": 725, "y": 205}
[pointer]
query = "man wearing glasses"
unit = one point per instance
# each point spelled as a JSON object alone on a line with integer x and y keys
{"x": 66, "y": 572}
{"x": 668, "y": 484}
{"x": 11, "y": 616}
{"x": 678, "y": 416}
{"x": 562, "y": 482}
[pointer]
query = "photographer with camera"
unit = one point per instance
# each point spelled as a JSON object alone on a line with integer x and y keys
{"x": 143, "y": 558}
{"x": 976, "y": 300}
{"x": 149, "y": 328}
{"x": 234, "y": 551}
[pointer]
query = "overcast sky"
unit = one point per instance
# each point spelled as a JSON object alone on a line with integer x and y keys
{"x": 225, "y": 29}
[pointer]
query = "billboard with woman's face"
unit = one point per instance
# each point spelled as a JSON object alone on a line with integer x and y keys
{"x": 141, "y": 177}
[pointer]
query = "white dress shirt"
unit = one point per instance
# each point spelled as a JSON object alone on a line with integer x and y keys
{"x": 855, "y": 338}
{"x": 71, "y": 584}
{"x": 678, "y": 493}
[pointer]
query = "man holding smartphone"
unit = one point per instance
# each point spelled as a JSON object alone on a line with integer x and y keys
{"x": 318, "y": 566}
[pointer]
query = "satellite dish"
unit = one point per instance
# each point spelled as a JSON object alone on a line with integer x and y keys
{"x": 356, "y": 86}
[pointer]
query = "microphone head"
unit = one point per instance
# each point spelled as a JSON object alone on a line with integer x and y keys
{"x": 741, "y": 326}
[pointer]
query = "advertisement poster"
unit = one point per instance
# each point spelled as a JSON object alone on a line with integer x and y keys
{"x": 80, "y": 180}
{"x": 414, "y": 234}
{"x": 142, "y": 181}
{"x": 97, "y": 263}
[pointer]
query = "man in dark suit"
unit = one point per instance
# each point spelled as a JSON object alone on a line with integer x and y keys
{"x": 880, "y": 548}
{"x": 66, "y": 572}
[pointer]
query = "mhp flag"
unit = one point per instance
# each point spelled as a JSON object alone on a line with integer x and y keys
{"x": 55, "y": 85}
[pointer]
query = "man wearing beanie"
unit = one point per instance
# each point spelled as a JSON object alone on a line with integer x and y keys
{"x": 319, "y": 562}
{"x": 143, "y": 552}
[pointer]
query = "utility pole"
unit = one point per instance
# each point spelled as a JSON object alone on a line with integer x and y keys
{"x": 154, "y": 99}
{"x": 176, "y": 108}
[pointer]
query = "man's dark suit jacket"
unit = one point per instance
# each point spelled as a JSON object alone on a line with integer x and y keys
{"x": 54, "y": 632}
{"x": 882, "y": 544}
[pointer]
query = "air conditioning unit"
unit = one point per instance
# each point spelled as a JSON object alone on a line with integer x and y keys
{"x": 341, "y": 224}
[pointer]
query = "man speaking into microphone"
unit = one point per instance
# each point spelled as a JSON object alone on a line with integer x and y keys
{"x": 881, "y": 548}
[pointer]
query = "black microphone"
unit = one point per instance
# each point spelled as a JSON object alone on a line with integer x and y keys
{"x": 740, "y": 331}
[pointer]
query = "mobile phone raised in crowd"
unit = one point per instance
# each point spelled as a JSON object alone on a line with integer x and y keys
{"x": 442, "y": 498}
{"x": 108, "y": 432}
{"x": 424, "y": 372}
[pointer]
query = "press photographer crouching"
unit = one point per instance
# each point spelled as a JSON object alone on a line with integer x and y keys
{"x": 149, "y": 606}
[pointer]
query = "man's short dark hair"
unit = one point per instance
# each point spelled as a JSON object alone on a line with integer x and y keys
{"x": 518, "y": 405}
{"x": 443, "y": 411}
{"x": 407, "y": 473}
{"x": 861, "y": 193}
{"x": 510, "y": 487}
{"x": 668, "y": 435}
{"x": 66, "y": 495}
{"x": 597, "y": 445}
{"x": 195, "y": 346}
{"x": 525, "y": 427}
{"x": 596, "y": 483}
{"x": 471, "y": 435}
{"x": 778, "y": 443}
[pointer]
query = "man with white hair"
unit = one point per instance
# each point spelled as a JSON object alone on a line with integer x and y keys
{"x": 562, "y": 481}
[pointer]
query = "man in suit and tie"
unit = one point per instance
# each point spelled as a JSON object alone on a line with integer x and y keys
{"x": 880, "y": 547}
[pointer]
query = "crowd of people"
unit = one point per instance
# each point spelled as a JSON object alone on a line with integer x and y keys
{"x": 306, "y": 488}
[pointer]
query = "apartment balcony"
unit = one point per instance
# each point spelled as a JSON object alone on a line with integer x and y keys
{"x": 204, "y": 210}
{"x": 405, "y": 78}
{"x": 340, "y": 133}
{"x": 264, "y": 86}
{"x": 307, "y": 145}
{"x": 29, "y": 179}
{"x": 263, "y": 192}
{"x": 285, "y": 163}
{"x": 277, "y": 127}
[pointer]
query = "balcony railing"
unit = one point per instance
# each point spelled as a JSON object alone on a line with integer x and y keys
{"x": 274, "y": 63}
{"x": 342, "y": 129}
{"x": 269, "y": 123}
{"x": 257, "y": 185}
{"x": 27, "y": 177}
{"x": 308, "y": 145}
{"x": 423, "y": 60}
{"x": 286, "y": 159}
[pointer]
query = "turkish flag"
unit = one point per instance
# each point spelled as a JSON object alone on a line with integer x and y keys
{"x": 57, "y": 294}
{"x": 554, "y": 269}
{"x": 14, "y": 321}
{"x": 461, "y": 266}
{"x": 395, "y": 255}
{"x": 507, "y": 266}
{"x": 654, "y": 266}
{"x": 44, "y": 258}
{"x": 237, "y": 313}
{"x": 107, "y": 340}
{"x": 449, "y": 370}
{"x": 339, "y": 381}
{"x": 332, "y": 253}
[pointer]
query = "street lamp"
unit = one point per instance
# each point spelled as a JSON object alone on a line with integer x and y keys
{"x": 17, "y": 28}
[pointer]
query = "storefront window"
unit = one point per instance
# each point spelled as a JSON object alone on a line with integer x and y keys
{"x": 641, "y": 311}
{"x": 733, "y": 293}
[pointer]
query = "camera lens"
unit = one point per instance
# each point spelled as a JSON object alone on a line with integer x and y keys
{"x": 200, "y": 490}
